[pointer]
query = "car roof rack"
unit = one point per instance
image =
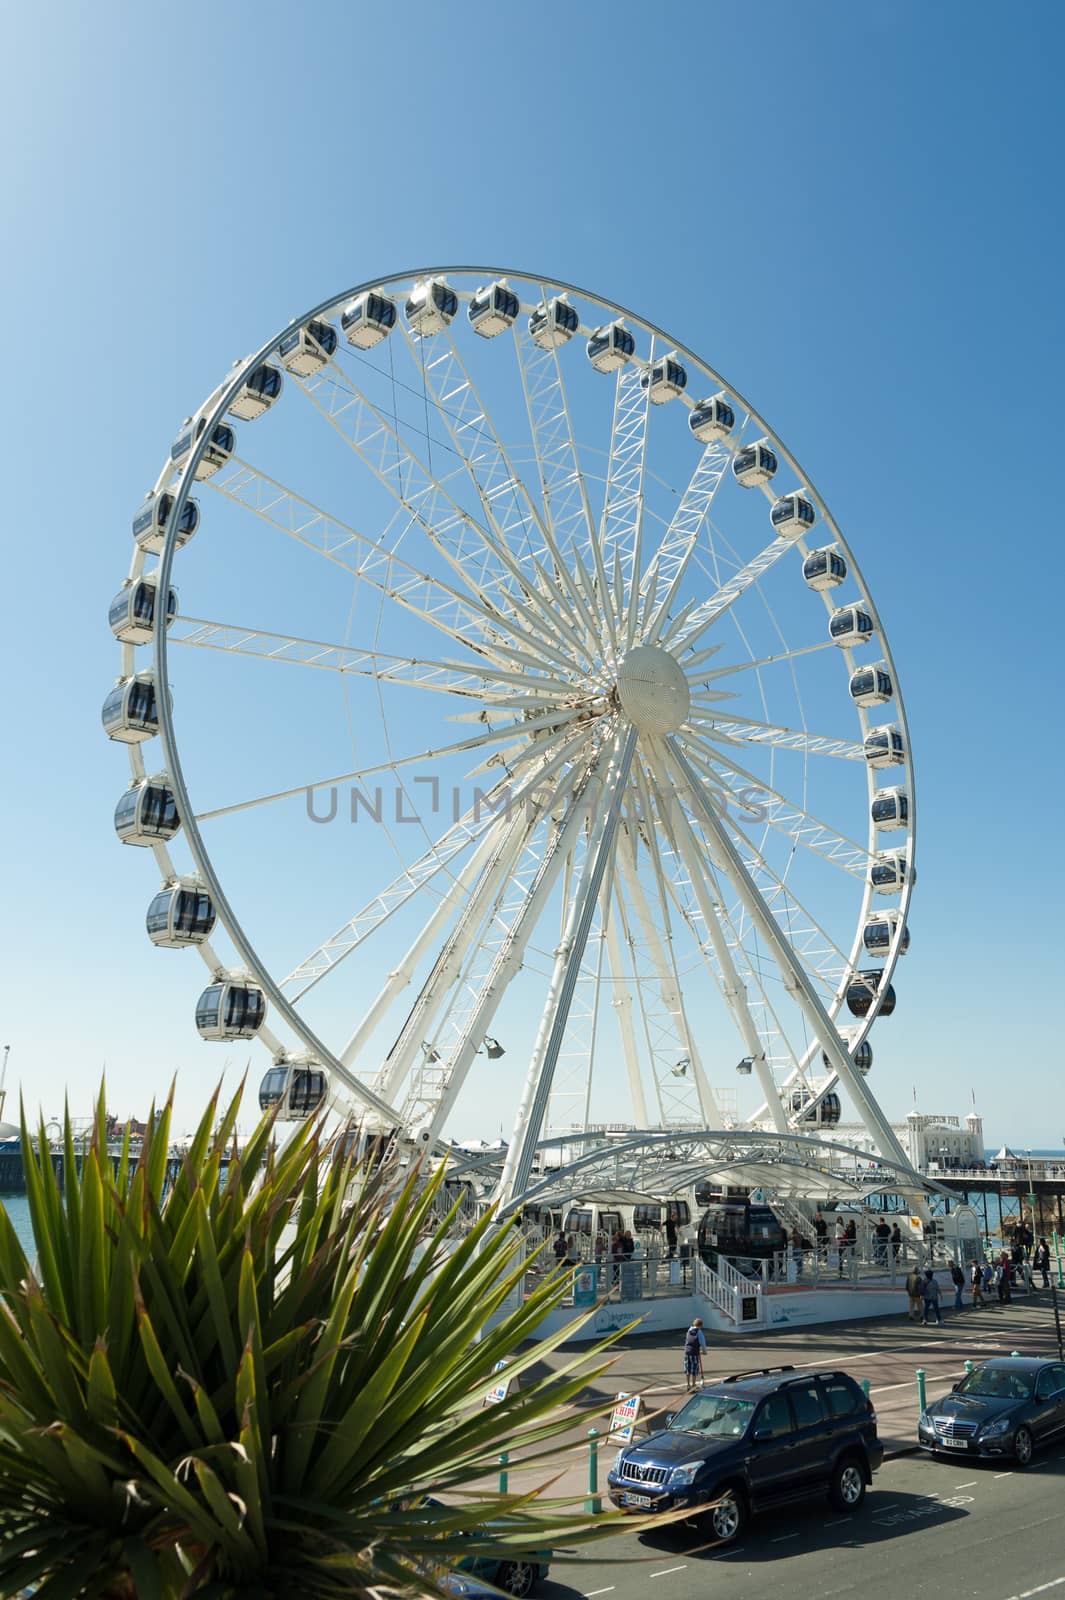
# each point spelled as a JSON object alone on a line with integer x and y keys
{"x": 759, "y": 1372}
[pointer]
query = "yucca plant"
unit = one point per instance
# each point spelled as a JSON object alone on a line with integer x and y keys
{"x": 243, "y": 1381}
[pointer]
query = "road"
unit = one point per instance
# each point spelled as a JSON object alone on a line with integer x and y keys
{"x": 979, "y": 1530}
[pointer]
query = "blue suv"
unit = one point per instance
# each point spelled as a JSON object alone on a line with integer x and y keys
{"x": 753, "y": 1441}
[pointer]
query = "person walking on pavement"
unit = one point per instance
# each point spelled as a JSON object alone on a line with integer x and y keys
{"x": 914, "y": 1283}
{"x": 930, "y": 1296}
{"x": 841, "y": 1244}
{"x": 1005, "y": 1273}
{"x": 989, "y": 1276}
{"x": 694, "y": 1345}
{"x": 896, "y": 1242}
{"x": 1041, "y": 1262}
{"x": 671, "y": 1234}
{"x": 821, "y": 1235}
{"x": 978, "y": 1283}
{"x": 957, "y": 1278}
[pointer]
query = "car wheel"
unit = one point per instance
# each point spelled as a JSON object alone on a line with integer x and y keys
{"x": 1022, "y": 1446}
{"x": 727, "y": 1516}
{"x": 517, "y": 1578}
{"x": 847, "y": 1489}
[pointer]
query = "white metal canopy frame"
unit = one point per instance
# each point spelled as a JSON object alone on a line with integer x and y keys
{"x": 616, "y": 764}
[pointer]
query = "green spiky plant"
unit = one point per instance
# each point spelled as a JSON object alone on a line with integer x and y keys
{"x": 240, "y": 1382}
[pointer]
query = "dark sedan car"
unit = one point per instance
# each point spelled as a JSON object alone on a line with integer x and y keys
{"x": 1002, "y": 1408}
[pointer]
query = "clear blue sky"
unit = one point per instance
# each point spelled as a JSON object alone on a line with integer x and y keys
{"x": 853, "y": 211}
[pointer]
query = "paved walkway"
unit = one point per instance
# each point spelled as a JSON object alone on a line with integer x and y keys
{"x": 887, "y": 1351}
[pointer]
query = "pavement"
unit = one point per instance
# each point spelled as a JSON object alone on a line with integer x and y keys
{"x": 887, "y": 1351}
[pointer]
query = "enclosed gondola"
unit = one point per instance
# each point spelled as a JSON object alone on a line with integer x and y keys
{"x": 297, "y": 1089}
{"x": 147, "y": 813}
{"x": 130, "y": 713}
{"x": 861, "y": 1058}
{"x": 432, "y": 307}
{"x": 792, "y": 515}
{"x": 885, "y": 747}
{"x": 230, "y": 1008}
{"x": 743, "y": 1233}
{"x": 611, "y": 346}
{"x": 132, "y": 611}
{"x": 850, "y": 626}
{"x": 181, "y": 914}
{"x": 368, "y": 319}
{"x": 879, "y": 933}
{"x": 306, "y": 350}
{"x": 863, "y": 990}
{"x": 754, "y": 464}
{"x": 889, "y": 872}
{"x": 890, "y": 809}
{"x": 824, "y": 569}
{"x": 554, "y": 324}
{"x": 664, "y": 379}
{"x": 871, "y": 686}
{"x": 712, "y": 420}
{"x": 493, "y": 309}
{"x": 261, "y": 388}
{"x": 824, "y": 1110}
{"x": 150, "y": 523}
{"x": 222, "y": 443}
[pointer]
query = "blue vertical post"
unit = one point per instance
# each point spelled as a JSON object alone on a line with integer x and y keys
{"x": 593, "y": 1504}
{"x": 921, "y": 1400}
{"x": 969, "y": 1365}
{"x": 504, "y": 1461}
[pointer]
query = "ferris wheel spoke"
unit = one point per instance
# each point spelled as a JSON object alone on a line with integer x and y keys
{"x": 694, "y": 663}
{"x": 621, "y": 526}
{"x": 682, "y": 638}
{"x": 784, "y": 815}
{"x": 568, "y": 519}
{"x": 468, "y": 546}
{"x": 722, "y": 726}
{"x": 526, "y": 800}
{"x": 661, "y": 583}
{"x": 442, "y": 606}
{"x": 622, "y": 1002}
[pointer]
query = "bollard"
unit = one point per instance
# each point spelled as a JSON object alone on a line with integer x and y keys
{"x": 593, "y": 1504}
{"x": 503, "y": 1463}
{"x": 922, "y": 1404}
{"x": 1015, "y": 1355}
{"x": 865, "y": 1387}
{"x": 969, "y": 1365}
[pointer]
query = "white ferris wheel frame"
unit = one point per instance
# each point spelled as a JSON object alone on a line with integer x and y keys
{"x": 517, "y": 1167}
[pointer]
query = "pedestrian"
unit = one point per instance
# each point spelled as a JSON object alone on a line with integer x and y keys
{"x": 914, "y": 1283}
{"x": 795, "y": 1240}
{"x": 930, "y": 1296}
{"x": 896, "y": 1242}
{"x": 671, "y": 1234}
{"x": 978, "y": 1283}
{"x": 1041, "y": 1262}
{"x": 563, "y": 1250}
{"x": 821, "y": 1235}
{"x": 883, "y": 1237}
{"x": 957, "y": 1278}
{"x": 627, "y": 1245}
{"x": 600, "y": 1247}
{"x": 841, "y": 1244}
{"x": 694, "y": 1345}
{"x": 989, "y": 1275}
{"x": 1005, "y": 1271}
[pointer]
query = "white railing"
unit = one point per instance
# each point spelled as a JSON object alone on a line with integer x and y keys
{"x": 712, "y": 1287}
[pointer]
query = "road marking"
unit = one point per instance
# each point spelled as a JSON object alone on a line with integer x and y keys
{"x": 931, "y": 1377}
{"x": 1042, "y": 1588}
{"x": 608, "y": 1590}
{"x": 1003, "y": 1474}
{"x": 971, "y": 1483}
{"x": 664, "y": 1573}
{"x": 783, "y": 1538}
{"x": 837, "y": 1524}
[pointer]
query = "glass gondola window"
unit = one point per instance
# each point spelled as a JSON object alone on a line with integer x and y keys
{"x": 178, "y": 915}
{"x": 272, "y": 1088}
{"x": 891, "y": 808}
{"x": 884, "y": 747}
{"x": 754, "y": 464}
{"x": 145, "y": 813}
{"x": 792, "y": 512}
{"x": 850, "y": 625}
{"x": 149, "y": 525}
{"x": 824, "y": 569}
{"x": 554, "y": 324}
{"x": 304, "y": 351}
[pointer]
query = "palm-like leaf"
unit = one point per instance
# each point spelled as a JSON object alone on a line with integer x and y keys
{"x": 244, "y": 1383}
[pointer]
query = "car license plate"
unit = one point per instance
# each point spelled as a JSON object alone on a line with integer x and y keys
{"x": 954, "y": 1444}
{"x": 637, "y": 1499}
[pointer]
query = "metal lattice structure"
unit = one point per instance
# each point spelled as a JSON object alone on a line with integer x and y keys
{"x": 583, "y": 604}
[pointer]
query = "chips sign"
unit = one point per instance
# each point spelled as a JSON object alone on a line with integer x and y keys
{"x": 499, "y": 1391}
{"x": 624, "y": 1417}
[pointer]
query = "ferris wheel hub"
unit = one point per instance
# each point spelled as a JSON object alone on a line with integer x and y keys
{"x": 653, "y": 690}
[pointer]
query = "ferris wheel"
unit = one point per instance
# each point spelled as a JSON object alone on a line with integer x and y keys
{"x": 526, "y": 738}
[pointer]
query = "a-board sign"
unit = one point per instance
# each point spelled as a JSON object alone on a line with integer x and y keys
{"x": 624, "y": 1417}
{"x": 749, "y": 1308}
{"x": 499, "y": 1391}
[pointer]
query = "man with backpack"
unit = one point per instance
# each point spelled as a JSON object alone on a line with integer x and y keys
{"x": 957, "y": 1278}
{"x": 694, "y": 1345}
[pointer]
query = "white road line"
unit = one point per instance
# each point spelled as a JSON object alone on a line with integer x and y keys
{"x": 930, "y": 1377}
{"x": 1003, "y": 1474}
{"x": 837, "y": 1524}
{"x": 971, "y": 1484}
{"x": 784, "y": 1537}
{"x": 608, "y": 1590}
{"x": 1026, "y": 1594}
{"x": 664, "y": 1573}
